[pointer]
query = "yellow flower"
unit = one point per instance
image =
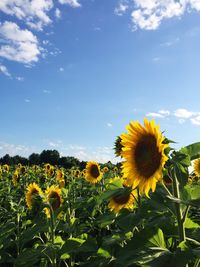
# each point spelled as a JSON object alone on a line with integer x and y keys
{"x": 53, "y": 196}
{"x": 76, "y": 173}
{"x": 15, "y": 178}
{"x": 143, "y": 151}
{"x": 32, "y": 190}
{"x": 197, "y": 167}
{"x": 105, "y": 169}
{"x": 126, "y": 198}
{"x": 59, "y": 175}
{"x": 93, "y": 173}
{"x": 5, "y": 168}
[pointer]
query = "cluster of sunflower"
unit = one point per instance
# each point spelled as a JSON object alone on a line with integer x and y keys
{"x": 143, "y": 151}
{"x": 51, "y": 196}
{"x": 20, "y": 170}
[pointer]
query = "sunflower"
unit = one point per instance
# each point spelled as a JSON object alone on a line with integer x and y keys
{"x": 53, "y": 196}
{"x": 124, "y": 199}
{"x": 59, "y": 175}
{"x": 76, "y": 173}
{"x": 118, "y": 146}
{"x": 32, "y": 190}
{"x": 15, "y": 178}
{"x": 93, "y": 173}
{"x": 105, "y": 169}
{"x": 143, "y": 151}
{"x": 5, "y": 168}
{"x": 197, "y": 167}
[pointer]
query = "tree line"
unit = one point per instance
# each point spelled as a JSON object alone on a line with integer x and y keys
{"x": 47, "y": 156}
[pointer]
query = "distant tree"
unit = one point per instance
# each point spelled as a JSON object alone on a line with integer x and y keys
{"x": 34, "y": 159}
{"x": 18, "y": 159}
{"x": 6, "y": 160}
{"x": 50, "y": 156}
{"x": 82, "y": 165}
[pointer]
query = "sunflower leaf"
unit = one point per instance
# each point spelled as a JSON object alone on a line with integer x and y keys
{"x": 192, "y": 150}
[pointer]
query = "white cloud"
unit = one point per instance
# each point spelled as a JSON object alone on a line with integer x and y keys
{"x": 164, "y": 112}
{"x": 121, "y": 8}
{"x": 159, "y": 114}
{"x": 72, "y": 3}
{"x": 20, "y": 79}
{"x": 195, "y": 120}
{"x": 33, "y": 12}
{"x": 57, "y": 13}
{"x": 4, "y": 70}
{"x": 170, "y": 43}
{"x": 109, "y": 124}
{"x": 15, "y": 149}
{"x": 46, "y": 91}
{"x": 61, "y": 69}
{"x": 27, "y": 100}
{"x": 148, "y": 14}
{"x": 21, "y": 46}
{"x": 154, "y": 114}
{"x": 183, "y": 113}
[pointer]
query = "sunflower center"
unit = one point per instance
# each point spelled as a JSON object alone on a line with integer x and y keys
{"x": 147, "y": 156}
{"x": 55, "y": 200}
{"x": 121, "y": 199}
{"x": 94, "y": 171}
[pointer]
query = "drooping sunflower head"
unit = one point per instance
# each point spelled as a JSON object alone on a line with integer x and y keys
{"x": 54, "y": 198}
{"x": 33, "y": 190}
{"x": 125, "y": 199}
{"x": 118, "y": 146}
{"x": 197, "y": 167}
{"x": 144, "y": 154}
{"x": 15, "y": 178}
{"x": 93, "y": 173}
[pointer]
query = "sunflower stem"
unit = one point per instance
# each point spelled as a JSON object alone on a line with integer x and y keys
{"x": 52, "y": 227}
{"x": 166, "y": 189}
{"x": 176, "y": 193}
{"x": 139, "y": 198}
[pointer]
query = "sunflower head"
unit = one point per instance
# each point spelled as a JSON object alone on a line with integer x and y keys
{"x": 118, "y": 146}
{"x": 125, "y": 198}
{"x": 33, "y": 191}
{"x": 54, "y": 198}
{"x": 144, "y": 154}
{"x": 93, "y": 173}
{"x": 59, "y": 175}
{"x": 77, "y": 173}
{"x": 6, "y": 168}
{"x": 15, "y": 178}
{"x": 105, "y": 170}
{"x": 197, "y": 167}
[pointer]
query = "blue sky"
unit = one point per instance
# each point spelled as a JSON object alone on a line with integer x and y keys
{"x": 74, "y": 73}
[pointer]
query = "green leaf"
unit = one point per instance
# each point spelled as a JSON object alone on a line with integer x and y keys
{"x": 158, "y": 239}
{"x": 190, "y": 224}
{"x": 193, "y": 150}
{"x": 103, "y": 253}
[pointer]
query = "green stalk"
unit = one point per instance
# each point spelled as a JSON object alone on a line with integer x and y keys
{"x": 176, "y": 193}
{"x": 52, "y": 227}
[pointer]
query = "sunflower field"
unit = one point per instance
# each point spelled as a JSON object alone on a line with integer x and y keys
{"x": 145, "y": 213}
